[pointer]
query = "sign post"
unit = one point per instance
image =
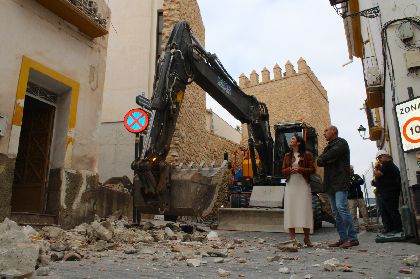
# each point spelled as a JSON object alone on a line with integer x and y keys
{"x": 136, "y": 121}
{"x": 408, "y": 115}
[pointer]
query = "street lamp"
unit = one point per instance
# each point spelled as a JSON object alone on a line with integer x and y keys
{"x": 361, "y": 130}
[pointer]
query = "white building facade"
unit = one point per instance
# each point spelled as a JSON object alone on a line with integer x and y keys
{"x": 385, "y": 35}
{"x": 52, "y": 70}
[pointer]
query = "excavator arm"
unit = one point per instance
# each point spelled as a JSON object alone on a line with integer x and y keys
{"x": 160, "y": 186}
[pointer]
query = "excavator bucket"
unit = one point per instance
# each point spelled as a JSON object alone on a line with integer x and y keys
{"x": 251, "y": 219}
{"x": 266, "y": 214}
{"x": 189, "y": 191}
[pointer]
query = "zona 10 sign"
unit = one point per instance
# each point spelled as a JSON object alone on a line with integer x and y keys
{"x": 408, "y": 114}
{"x": 136, "y": 120}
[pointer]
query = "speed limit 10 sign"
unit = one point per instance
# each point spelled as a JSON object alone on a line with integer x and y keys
{"x": 408, "y": 114}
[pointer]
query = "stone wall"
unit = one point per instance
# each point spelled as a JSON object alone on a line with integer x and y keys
{"x": 7, "y": 166}
{"x": 191, "y": 141}
{"x": 290, "y": 96}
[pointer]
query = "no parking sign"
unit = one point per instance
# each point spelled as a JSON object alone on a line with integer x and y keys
{"x": 408, "y": 114}
{"x": 136, "y": 120}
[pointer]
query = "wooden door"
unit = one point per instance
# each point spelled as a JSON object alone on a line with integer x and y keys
{"x": 32, "y": 162}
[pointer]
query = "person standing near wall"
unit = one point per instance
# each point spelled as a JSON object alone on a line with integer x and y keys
{"x": 355, "y": 199}
{"x": 388, "y": 184}
{"x": 336, "y": 162}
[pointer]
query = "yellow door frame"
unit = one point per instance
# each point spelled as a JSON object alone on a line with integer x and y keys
{"x": 27, "y": 65}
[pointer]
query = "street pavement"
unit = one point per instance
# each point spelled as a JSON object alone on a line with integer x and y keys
{"x": 251, "y": 258}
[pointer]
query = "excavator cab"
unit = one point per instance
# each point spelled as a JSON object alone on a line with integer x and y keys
{"x": 284, "y": 132}
{"x": 240, "y": 194}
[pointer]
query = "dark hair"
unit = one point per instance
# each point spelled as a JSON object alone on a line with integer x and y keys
{"x": 302, "y": 145}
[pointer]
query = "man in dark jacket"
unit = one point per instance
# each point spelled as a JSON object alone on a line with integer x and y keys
{"x": 388, "y": 185}
{"x": 336, "y": 162}
{"x": 355, "y": 199}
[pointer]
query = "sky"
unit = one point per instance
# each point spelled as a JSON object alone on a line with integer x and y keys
{"x": 253, "y": 34}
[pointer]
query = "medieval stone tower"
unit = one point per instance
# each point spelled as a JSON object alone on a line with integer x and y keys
{"x": 290, "y": 96}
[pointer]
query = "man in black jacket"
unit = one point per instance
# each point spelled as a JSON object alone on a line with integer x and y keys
{"x": 336, "y": 162}
{"x": 388, "y": 185}
{"x": 355, "y": 199}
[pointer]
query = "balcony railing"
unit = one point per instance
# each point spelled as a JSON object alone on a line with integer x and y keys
{"x": 81, "y": 13}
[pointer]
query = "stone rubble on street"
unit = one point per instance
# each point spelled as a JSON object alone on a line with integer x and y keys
{"x": 114, "y": 248}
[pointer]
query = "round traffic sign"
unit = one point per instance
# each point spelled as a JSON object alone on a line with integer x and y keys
{"x": 136, "y": 120}
{"x": 411, "y": 130}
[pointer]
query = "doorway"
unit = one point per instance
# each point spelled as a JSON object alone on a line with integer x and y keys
{"x": 33, "y": 158}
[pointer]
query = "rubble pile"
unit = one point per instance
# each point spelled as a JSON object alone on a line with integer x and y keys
{"x": 21, "y": 250}
{"x": 25, "y": 251}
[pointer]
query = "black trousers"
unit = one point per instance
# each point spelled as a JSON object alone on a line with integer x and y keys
{"x": 389, "y": 207}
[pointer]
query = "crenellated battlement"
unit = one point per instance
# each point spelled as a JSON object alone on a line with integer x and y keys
{"x": 291, "y": 94}
{"x": 278, "y": 74}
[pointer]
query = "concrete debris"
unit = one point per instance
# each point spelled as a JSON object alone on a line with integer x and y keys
{"x": 56, "y": 256}
{"x": 274, "y": 259}
{"x": 331, "y": 264}
{"x": 101, "y": 232}
{"x": 147, "y": 251}
{"x": 43, "y": 271}
{"x": 223, "y": 273}
{"x": 412, "y": 260}
{"x": 148, "y": 226}
{"x": 58, "y": 247}
{"x": 308, "y": 276}
{"x": 316, "y": 265}
{"x": 238, "y": 241}
{"x": 213, "y": 236}
{"x": 19, "y": 252}
{"x": 218, "y": 260}
{"x": 288, "y": 246}
{"x": 170, "y": 234}
{"x": 195, "y": 262}
{"x": 335, "y": 265}
{"x": 131, "y": 250}
{"x": 100, "y": 246}
{"x": 216, "y": 253}
{"x": 53, "y": 232}
{"x": 285, "y": 270}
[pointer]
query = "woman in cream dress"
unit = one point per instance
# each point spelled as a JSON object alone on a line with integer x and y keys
{"x": 297, "y": 167}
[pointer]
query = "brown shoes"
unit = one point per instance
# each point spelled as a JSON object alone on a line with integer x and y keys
{"x": 336, "y": 244}
{"x": 308, "y": 242}
{"x": 349, "y": 243}
{"x": 344, "y": 244}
